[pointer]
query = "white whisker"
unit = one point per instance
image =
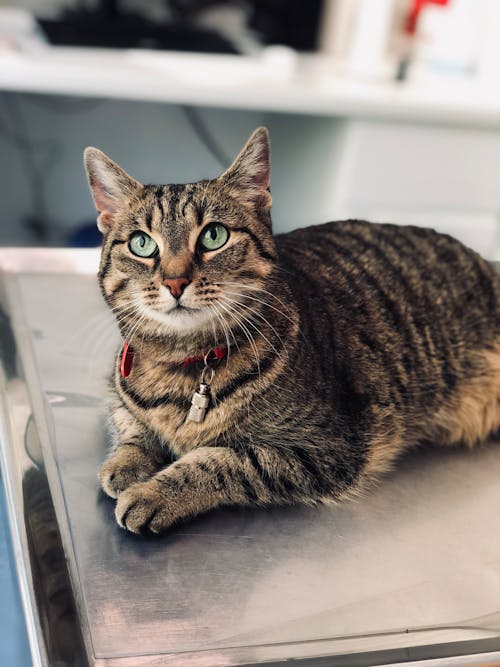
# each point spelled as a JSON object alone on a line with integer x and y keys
{"x": 225, "y": 330}
{"x": 247, "y": 334}
{"x": 251, "y": 323}
{"x": 257, "y": 313}
{"x": 258, "y": 289}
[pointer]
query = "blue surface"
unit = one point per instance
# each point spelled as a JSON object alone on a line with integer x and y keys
{"x": 14, "y": 649}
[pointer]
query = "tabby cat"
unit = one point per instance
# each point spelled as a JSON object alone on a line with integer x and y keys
{"x": 325, "y": 352}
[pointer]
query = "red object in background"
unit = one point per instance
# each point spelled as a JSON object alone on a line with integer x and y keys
{"x": 416, "y": 8}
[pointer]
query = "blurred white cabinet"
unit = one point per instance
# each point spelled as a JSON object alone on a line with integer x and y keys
{"x": 441, "y": 177}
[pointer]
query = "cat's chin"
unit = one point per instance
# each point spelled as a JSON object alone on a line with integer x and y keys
{"x": 181, "y": 321}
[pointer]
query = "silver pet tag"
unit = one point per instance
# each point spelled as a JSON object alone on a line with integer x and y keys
{"x": 201, "y": 398}
{"x": 199, "y": 403}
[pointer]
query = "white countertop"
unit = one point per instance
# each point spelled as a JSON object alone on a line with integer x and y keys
{"x": 276, "y": 81}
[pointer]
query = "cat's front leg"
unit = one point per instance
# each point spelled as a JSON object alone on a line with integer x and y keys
{"x": 202, "y": 480}
{"x": 135, "y": 456}
{"x": 211, "y": 477}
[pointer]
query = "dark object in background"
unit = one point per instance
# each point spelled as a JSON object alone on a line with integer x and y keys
{"x": 85, "y": 236}
{"x": 107, "y": 26}
{"x": 292, "y": 23}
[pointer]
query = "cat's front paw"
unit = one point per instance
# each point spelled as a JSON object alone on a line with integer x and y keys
{"x": 142, "y": 508}
{"x": 127, "y": 466}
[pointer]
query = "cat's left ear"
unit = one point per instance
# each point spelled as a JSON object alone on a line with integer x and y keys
{"x": 250, "y": 174}
{"x": 110, "y": 186}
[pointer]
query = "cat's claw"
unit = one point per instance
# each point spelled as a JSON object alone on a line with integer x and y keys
{"x": 142, "y": 508}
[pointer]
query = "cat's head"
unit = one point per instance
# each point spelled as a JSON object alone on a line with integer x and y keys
{"x": 176, "y": 258}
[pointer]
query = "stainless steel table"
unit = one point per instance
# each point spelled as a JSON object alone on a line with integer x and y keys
{"x": 409, "y": 573}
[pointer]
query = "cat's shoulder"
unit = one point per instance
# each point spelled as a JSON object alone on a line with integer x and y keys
{"x": 352, "y": 226}
{"x": 419, "y": 247}
{"x": 362, "y": 234}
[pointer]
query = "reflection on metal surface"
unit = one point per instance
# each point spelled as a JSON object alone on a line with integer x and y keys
{"x": 54, "y": 594}
{"x": 32, "y": 446}
{"x": 53, "y": 625}
{"x": 411, "y": 572}
{"x": 69, "y": 399}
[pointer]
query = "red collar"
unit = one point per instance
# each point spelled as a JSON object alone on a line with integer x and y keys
{"x": 214, "y": 355}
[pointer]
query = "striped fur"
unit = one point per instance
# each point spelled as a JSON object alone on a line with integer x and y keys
{"x": 348, "y": 343}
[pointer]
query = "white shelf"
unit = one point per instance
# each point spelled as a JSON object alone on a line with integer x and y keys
{"x": 274, "y": 82}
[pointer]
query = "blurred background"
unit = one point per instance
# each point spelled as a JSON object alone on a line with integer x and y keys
{"x": 382, "y": 109}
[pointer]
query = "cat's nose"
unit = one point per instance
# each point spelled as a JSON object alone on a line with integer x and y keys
{"x": 176, "y": 285}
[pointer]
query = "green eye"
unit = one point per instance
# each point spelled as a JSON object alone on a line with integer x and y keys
{"x": 213, "y": 236}
{"x": 142, "y": 245}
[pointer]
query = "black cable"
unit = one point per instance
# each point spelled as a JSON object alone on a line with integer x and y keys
{"x": 205, "y": 136}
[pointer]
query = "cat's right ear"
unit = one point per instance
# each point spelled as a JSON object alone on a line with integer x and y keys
{"x": 249, "y": 175}
{"x": 110, "y": 186}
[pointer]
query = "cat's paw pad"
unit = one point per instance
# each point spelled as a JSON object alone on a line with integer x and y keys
{"x": 142, "y": 508}
{"x": 122, "y": 470}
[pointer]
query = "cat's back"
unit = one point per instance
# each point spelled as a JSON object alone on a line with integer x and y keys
{"x": 400, "y": 316}
{"x": 410, "y": 290}
{"x": 401, "y": 270}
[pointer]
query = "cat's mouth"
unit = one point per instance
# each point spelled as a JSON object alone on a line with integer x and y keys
{"x": 180, "y": 308}
{"x": 180, "y": 319}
